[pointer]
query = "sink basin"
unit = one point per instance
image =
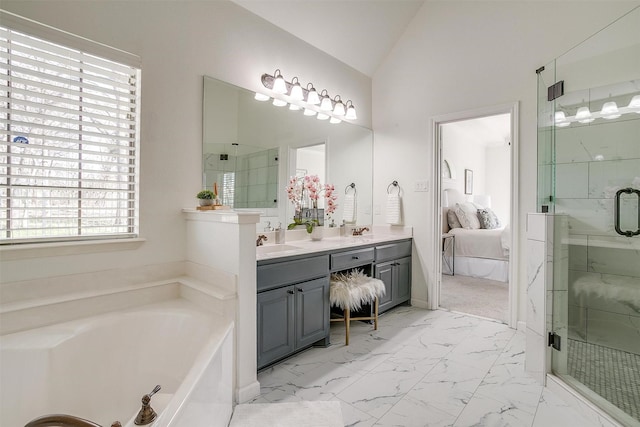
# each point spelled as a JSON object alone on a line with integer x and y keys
{"x": 275, "y": 248}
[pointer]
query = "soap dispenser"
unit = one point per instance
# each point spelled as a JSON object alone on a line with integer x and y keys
{"x": 280, "y": 236}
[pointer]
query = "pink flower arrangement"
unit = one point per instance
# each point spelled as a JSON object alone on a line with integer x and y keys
{"x": 310, "y": 186}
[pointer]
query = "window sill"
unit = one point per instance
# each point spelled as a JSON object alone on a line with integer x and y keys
{"x": 39, "y": 250}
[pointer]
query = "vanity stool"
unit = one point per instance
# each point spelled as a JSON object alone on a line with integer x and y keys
{"x": 349, "y": 291}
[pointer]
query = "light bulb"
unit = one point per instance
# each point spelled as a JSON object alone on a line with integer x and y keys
{"x": 325, "y": 105}
{"x": 351, "y": 113}
{"x": 312, "y": 97}
{"x": 279, "y": 102}
{"x": 635, "y": 103}
{"x": 322, "y": 116}
{"x": 261, "y": 97}
{"x": 610, "y": 111}
{"x": 335, "y": 121}
{"x": 561, "y": 119}
{"x": 584, "y": 115}
{"x": 279, "y": 85}
{"x": 338, "y": 110}
{"x": 294, "y": 107}
{"x": 296, "y": 91}
{"x": 308, "y": 112}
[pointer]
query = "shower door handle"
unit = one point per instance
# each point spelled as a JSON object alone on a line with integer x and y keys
{"x": 628, "y": 233}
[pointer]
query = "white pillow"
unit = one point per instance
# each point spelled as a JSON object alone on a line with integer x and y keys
{"x": 467, "y": 214}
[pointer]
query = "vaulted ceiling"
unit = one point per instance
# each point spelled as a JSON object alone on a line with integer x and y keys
{"x": 360, "y": 33}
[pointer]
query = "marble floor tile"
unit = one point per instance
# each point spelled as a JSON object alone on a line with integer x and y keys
{"x": 486, "y": 412}
{"x": 422, "y": 368}
{"x": 409, "y": 412}
{"x": 354, "y": 417}
{"x": 382, "y": 388}
{"x": 448, "y": 387}
{"x": 553, "y": 411}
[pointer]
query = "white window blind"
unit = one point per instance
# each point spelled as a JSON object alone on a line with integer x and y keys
{"x": 69, "y": 131}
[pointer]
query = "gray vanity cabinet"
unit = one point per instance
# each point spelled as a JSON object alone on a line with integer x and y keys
{"x": 393, "y": 267}
{"x": 276, "y": 324}
{"x": 293, "y": 313}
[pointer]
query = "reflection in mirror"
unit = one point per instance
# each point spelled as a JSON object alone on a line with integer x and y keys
{"x": 231, "y": 116}
{"x": 246, "y": 176}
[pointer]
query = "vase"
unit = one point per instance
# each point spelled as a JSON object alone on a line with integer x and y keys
{"x": 317, "y": 233}
{"x": 206, "y": 202}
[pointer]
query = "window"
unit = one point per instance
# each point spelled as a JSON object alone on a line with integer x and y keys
{"x": 69, "y": 126}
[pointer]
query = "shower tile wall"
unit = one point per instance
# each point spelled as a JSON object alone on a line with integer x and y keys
{"x": 604, "y": 272}
{"x": 257, "y": 179}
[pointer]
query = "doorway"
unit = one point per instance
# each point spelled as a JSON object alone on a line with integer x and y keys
{"x": 476, "y": 159}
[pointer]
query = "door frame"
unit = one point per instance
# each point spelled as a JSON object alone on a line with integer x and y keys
{"x": 436, "y": 278}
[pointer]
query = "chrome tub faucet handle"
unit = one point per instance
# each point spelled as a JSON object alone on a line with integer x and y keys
{"x": 147, "y": 414}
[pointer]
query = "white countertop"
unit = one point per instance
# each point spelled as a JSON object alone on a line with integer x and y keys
{"x": 304, "y": 246}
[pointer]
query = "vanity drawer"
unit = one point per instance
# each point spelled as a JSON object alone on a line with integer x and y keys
{"x": 279, "y": 274}
{"x": 355, "y": 258}
{"x": 393, "y": 251}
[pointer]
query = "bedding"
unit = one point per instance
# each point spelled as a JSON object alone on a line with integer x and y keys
{"x": 481, "y": 243}
{"x": 481, "y": 252}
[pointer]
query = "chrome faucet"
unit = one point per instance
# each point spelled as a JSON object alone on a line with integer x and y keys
{"x": 358, "y": 231}
{"x": 261, "y": 238}
{"x": 147, "y": 415}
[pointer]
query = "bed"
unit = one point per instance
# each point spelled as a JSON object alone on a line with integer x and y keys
{"x": 482, "y": 253}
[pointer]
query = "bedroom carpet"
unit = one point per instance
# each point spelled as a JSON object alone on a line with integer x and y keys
{"x": 480, "y": 297}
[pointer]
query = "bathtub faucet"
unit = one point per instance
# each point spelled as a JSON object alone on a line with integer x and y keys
{"x": 147, "y": 414}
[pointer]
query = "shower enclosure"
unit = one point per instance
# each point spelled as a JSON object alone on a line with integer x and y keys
{"x": 589, "y": 177}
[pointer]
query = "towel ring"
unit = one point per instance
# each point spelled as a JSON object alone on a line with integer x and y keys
{"x": 352, "y": 186}
{"x": 395, "y": 185}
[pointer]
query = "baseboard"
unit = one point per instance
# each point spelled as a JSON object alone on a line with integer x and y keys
{"x": 248, "y": 392}
{"x": 420, "y": 303}
{"x": 521, "y": 325}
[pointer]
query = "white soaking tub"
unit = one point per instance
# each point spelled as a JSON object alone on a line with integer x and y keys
{"x": 98, "y": 368}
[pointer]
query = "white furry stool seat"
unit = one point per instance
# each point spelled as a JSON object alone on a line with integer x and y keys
{"x": 351, "y": 291}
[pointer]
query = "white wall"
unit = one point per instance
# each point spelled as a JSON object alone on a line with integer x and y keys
{"x": 459, "y": 56}
{"x": 178, "y": 43}
{"x": 498, "y": 180}
{"x": 464, "y": 153}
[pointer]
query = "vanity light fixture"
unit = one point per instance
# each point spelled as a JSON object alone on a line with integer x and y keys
{"x": 325, "y": 104}
{"x": 351, "y": 111}
{"x": 279, "y": 85}
{"x": 308, "y": 98}
{"x": 334, "y": 121}
{"x": 561, "y": 119}
{"x": 312, "y": 95}
{"x": 610, "y": 111}
{"x": 338, "y": 109}
{"x": 584, "y": 115}
{"x": 635, "y": 103}
{"x": 296, "y": 91}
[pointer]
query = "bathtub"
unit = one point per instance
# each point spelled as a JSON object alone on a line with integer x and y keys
{"x": 98, "y": 368}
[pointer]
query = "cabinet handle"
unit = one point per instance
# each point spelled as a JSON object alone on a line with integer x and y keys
{"x": 355, "y": 257}
{"x": 290, "y": 291}
{"x": 300, "y": 290}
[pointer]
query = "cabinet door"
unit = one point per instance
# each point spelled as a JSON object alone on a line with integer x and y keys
{"x": 312, "y": 311}
{"x": 276, "y": 332}
{"x": 402, "y": 283}
{"x": 384, "y": 272}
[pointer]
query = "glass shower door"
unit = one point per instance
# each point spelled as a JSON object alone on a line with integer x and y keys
{"x": 596, "y": 195}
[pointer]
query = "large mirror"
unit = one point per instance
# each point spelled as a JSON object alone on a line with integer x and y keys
{"x": 251, "y": 148}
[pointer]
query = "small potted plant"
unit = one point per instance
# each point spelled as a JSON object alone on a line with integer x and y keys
{"x": 206, "y": 197}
